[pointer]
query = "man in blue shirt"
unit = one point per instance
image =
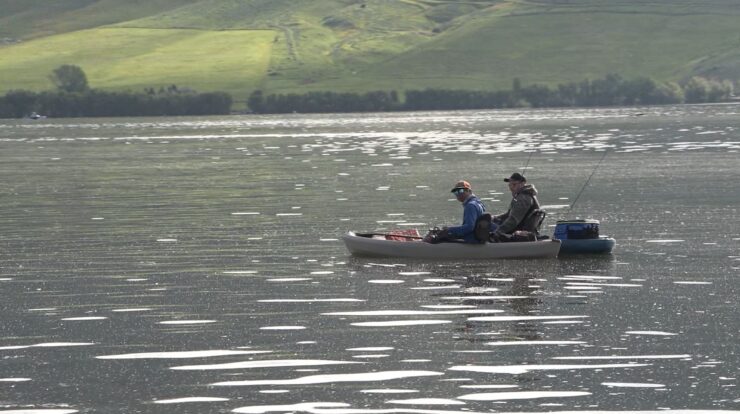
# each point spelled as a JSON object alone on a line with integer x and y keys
{"x": 473, "y": 208}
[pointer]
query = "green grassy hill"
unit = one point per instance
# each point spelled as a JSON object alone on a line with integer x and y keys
{"x": 355, "y": 45}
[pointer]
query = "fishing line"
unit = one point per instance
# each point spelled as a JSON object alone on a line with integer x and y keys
{"x": 527, "y": 165}
{"x": 588, "y": 180}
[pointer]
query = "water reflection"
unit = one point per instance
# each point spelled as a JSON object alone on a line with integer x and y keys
{"x": 514, "y": 292}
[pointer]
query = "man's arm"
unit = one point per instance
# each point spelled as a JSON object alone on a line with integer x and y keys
{"x": 500, "y": 218}
{"x": 469, "y": 216}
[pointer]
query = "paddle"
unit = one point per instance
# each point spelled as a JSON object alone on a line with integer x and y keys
{"x": 389, "y": 234}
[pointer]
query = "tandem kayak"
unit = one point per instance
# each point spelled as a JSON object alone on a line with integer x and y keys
{"x": 378, "y": 245}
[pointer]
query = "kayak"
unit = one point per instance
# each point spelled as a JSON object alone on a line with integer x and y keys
{"x": 378, "y": 245}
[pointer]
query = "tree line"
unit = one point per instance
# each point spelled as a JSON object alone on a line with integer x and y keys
{"x": 612, "y": 90}
{"x": 95, "y": 103}
{"x": 74, "y": 98}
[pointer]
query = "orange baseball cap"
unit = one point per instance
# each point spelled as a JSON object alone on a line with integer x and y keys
{"x": 461, "y": 184}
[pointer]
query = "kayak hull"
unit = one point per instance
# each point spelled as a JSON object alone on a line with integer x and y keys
{"x": 416, "y": 249}
{"x": 602, "y": 245}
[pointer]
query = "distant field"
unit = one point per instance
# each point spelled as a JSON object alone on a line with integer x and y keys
{"x": 113, "y": 58}
{"x": 283, "y": 46}
{"x": 575, "y": 44}
{"x": 27, "y": 19}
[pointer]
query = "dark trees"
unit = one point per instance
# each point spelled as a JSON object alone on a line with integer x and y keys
{"x": 69, "y": 78}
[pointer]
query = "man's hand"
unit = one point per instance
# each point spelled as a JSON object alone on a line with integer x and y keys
{"x": 436, "y": 235}
{"x": 499, "y": 237}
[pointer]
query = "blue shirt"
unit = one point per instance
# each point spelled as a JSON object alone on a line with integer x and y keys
{"x": 473, "y": 208}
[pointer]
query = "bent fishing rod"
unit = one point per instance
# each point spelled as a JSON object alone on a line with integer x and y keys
{"x": 588, "y": 180}
{"x": 527, "y": 164}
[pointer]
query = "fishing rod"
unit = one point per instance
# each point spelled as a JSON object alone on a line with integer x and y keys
{"x": 527, "y": 164}
{"x": 588, "y": 180}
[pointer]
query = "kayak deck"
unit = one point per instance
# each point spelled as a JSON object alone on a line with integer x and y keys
{"x": 378, "y": 246}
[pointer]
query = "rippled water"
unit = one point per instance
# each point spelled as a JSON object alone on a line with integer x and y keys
{"x": 193, "y": 265}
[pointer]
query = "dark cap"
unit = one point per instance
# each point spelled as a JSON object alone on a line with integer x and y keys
{"x": 516, "y": 177}
{"x": 461, "y": 184}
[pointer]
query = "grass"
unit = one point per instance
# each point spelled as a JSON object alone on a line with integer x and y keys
{"x": 28, "y": 19}
{"x": 350, "y": 45}
{"x": 555, "y": 48}
{"x": 116, "y": 58}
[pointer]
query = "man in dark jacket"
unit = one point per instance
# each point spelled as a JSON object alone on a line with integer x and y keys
{"x": 523, "y": 204}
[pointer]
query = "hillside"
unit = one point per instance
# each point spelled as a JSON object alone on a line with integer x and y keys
{"x": 355, "y": 45}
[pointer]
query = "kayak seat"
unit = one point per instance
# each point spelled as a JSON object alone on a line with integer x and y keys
{"x": 482, "y": 227}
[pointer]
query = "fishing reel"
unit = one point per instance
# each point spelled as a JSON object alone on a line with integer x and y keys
{"x": 436, "y": 235}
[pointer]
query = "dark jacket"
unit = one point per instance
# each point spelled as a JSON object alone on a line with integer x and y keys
{"x": 473, "y": 209}
{"x": 522, "y": 205}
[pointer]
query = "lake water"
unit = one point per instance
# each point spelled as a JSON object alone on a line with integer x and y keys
{"x": 194, "y": 265}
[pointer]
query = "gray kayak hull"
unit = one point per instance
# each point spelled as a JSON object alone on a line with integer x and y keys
{"x": 602, "y": 245}
{"x": 416, "y": 249}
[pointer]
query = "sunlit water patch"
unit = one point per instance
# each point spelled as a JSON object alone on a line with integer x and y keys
{"x": 288, "y": 279}
{"x": 190, "y": 400}
{"x": 417, "y": 322}
{"x": 519, "y": 343}
{"x": 437, "y": 287}
{"x": 523, "y": 318}
{"x": 47, "y": 345}
{"x": 131, "y": 310}
{"x": 667, "y": 241}
{"x": 283, "y": 328}
{"x": 389, "y": 391}
{"x": 181, "y": 354}
{"x": 490, "y": 386}
{"x": 39, "y": 411}
{"x": 448, "y": 306}
{"x": 651, "y": 333}
{"x": 400, "y": 312}
{"x": 262, "y": 364}
{"x": 426, "y": 401}
{"x": 314, "y": 300}
{"x": 188, "y": 322}
{"x": 483, "y": 298}
{"x": 310, "y": 407}
{"x": 522, "y": 395}
{"x": 522, "y": 369}
{"x": 632, "y": 385}
{"x": 335, "y": 378}
{"x": 85, "y": 318}
{"x": 630, "y": 357}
